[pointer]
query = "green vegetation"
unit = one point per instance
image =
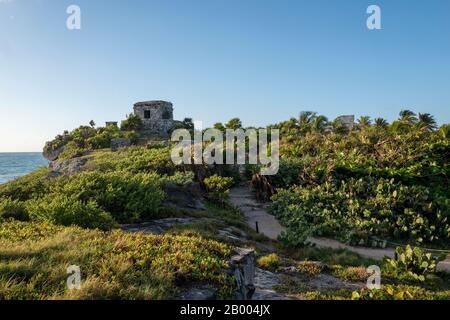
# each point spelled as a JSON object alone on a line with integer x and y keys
{"x": 132, "y": 123}
{"x": 367, "y": 185}
{"x": 85, "y": 138}
{"x": 412, "y": 263}
{"x": 112, "y": 187}
{"x": 34, "y": 258}
{"x": 369, "y": 182}
{"x": 218, "y": 188}
{"x": 270, "y": 262}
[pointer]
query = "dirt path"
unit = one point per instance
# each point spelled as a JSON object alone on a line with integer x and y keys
{"x": 256, "y": 212}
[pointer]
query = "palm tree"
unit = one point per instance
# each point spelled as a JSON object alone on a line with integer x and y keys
{"x": 364, "y": 121}
{"x": 426, "y": 122}
{"x": 408, "y": 117}
{"x": 381, "y": 123}
{"x": 305, "y": 120}
{"x": 319, "y": 123}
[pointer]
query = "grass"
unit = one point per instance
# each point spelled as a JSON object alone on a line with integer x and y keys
{"x": 270, "y": 262}
{"x": 329, "y": 256}
{"x": 114, "y": 265}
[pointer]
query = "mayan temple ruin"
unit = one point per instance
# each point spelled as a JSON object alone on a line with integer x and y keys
{"x": 156, "y": 115}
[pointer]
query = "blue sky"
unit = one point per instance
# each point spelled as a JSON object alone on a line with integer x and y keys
{"x": 261, "y": 60}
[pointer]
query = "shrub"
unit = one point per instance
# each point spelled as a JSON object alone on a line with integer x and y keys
{"x": 14, "y": 209}
{"x": 218, "y": 187}
{"x": 399, "y": 292}
{"x": 357, "y": 209}
{"x": 269, "y": 262}
{"x": 129, "y": 198}
{"x": 72, "y": 150}
{"x": 132, "y": 123}
{"x": 86, "y": 138}
{"x": 67, "y": 211}
{"x": 412, "y": 263}
{"x": 135, "y": 160}
{"x": 23, "y": 188}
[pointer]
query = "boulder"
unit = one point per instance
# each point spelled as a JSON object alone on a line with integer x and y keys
{"x": 242, "y": 266}
{"x": 52, "y": 154}
{"x": 67, "y": 167}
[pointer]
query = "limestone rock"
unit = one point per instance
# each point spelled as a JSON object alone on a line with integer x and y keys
{"x": 52, "y": 154}
{"x": 242, "y": 266}
{"x": 67, "y": 167}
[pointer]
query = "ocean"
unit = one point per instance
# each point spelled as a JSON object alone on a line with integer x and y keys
{"x": 13, "y": 165}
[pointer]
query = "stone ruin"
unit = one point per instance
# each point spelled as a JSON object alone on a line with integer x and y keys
{"x": 157, "y": 116}
{"x": 347, "y": 121}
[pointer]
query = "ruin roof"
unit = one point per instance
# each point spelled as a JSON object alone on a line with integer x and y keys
{"x": 151, "y": 102}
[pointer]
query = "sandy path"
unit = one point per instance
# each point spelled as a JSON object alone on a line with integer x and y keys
{"x": 268, "y": 225}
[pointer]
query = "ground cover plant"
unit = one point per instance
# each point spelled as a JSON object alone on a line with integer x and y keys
{"x": 114, "y": 265}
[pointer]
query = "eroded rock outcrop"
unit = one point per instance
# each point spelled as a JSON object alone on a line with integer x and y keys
{"x": 242, "y": 266}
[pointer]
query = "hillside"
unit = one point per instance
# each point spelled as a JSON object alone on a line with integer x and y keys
{"x": 141, "y": 227}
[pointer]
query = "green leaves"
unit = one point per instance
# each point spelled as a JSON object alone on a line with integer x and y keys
{"x": 218, "y": 187}
{"x": 370, "y": 206}
{"x": 412, "y": 263}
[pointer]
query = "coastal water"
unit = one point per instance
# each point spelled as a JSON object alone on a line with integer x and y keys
{"x": 13, "y": 165}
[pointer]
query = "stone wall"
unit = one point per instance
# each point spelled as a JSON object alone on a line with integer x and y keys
{"x": 347, "y": 121}
{"x": 157, "y": 116}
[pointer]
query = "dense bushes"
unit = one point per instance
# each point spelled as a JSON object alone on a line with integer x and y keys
{"x": 381, "y": 180}
{"x": 113, "y": 187}
{"x": 63, "y": 210}
{"x": 13, "y": 209}
{"x": 127, "y": 197}
{"x": 34, "y": 184}
{"x": 135, "y": 160}
{"x": 359, "y": 208}
{"x": 85, "y": 138}
{"x": 218, "y": 187}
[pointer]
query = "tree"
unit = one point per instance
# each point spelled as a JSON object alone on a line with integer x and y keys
{"x": 426, "y": 122}
{"x": 444, "y": 130}
{"x": 408, "y": 117}
{"x": 381, "y": 123}
{"x": 305, "y": 120}
{"x": 234, "y": 124}
{"x": 219, "y": 126}
{"x": 364, "y": 121}
{"x": 131, "y": 123}
{"x": 319, "y": 123}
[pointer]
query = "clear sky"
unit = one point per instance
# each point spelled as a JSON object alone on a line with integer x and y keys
{"x": 261, "y": 60}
